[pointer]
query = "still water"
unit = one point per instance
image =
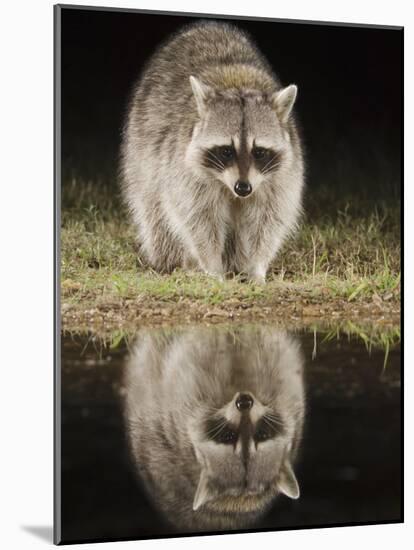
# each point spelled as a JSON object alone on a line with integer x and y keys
{"x": 219, "y": 429}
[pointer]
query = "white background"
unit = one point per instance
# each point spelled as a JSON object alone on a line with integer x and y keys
{"x": 26, "y": 267}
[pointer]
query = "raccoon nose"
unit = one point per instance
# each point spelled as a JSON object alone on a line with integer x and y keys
{"x": 244, "y": 402}
{"x": 243, "y": 188}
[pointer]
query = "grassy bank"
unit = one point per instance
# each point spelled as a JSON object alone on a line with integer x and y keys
{"x": 372, "y": 336}
{"x": 344, "y": 263}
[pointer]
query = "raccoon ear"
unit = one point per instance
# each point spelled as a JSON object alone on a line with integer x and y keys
{"x": 283, "y": 101}
{"x": 288, "y": 484}
{"x": 201, "y": 92}
{"x": 202, "y": 494}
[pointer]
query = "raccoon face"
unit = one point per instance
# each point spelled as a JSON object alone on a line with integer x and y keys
{"x": 245, "y": 455}
{"x": 241, "y": 138}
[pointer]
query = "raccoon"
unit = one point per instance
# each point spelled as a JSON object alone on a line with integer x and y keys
{"x": 214, "y": 420}
{"x": 211, "y": 159}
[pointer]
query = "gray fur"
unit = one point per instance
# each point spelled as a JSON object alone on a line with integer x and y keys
{"x": 207, "y": 87}
{"x": 177, "y": 382}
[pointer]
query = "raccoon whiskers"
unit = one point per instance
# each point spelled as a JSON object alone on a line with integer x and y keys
{"x": 267, "y": 163}
{"x": 266, "y": 421}
{"x": 217, "y": 429}
{"x": 270, "y": 168}
{"x": 215, "y": 157}
{"x": 273, "y": 416}
{"x": 214, "y": 160}
{"x": 271, "y": 160}
{"x": 214, "y": 165}
{"x": 273, "y": 419}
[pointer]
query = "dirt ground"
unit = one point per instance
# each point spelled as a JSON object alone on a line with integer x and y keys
{"x": 287, "y": 308}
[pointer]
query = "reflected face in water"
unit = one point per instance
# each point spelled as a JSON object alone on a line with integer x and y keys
{"x": 214, "y": 421}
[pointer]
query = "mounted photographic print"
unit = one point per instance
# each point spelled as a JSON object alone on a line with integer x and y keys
{"x": 228, "y": 274}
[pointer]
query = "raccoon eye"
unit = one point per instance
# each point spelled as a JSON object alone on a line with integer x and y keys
{"x": 218, "y": 430}
{"x": 263, "y": 433}
{"x": 226, "y": 152}
{"x": 259, "y": 153}
{"x": 268, "y": 427}
{"x": 227, "y": 436}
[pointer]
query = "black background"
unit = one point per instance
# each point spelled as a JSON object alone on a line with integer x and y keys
{"x": 349, "y": 104}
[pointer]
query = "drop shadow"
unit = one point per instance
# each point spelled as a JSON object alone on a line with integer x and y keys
{"x": 44, "y": 532}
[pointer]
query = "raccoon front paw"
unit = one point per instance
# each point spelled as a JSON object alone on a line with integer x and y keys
{"x": 216, "y": 275}
{"x": 259, "y": 279}
{"x": 214, "y": 268}
{"x": 258, "y": 276}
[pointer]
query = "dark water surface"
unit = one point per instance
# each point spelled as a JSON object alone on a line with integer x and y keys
{"x": 138, "y": 422}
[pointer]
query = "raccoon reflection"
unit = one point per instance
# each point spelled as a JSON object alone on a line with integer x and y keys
{"x": 214, "y": 422}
